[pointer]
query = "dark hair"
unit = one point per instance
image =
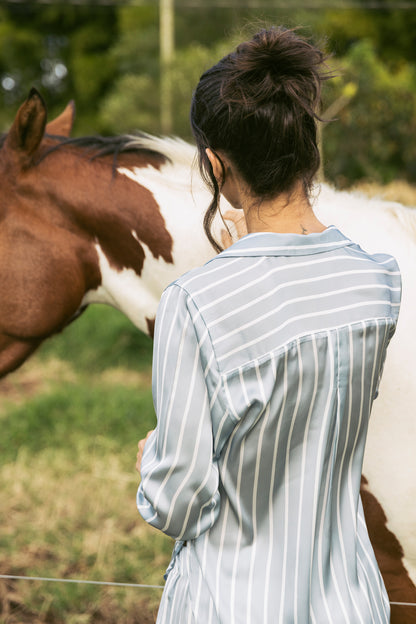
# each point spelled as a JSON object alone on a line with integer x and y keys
{"x": 258, "y": 105}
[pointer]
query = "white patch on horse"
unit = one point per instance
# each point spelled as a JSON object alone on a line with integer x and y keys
{"x": 174, "y": 191}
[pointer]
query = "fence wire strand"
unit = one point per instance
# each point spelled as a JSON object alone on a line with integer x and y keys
{"x": 57, "y": 580}
{"x": 114, "y": 584}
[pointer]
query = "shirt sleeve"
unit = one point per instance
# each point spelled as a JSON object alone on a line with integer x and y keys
{"x": 178, "y": 493}
{"x": 383, "y": 361}
{"x": 396, "y": 294}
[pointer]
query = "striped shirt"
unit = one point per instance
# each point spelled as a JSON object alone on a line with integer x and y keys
{"x": 266, "y": 363}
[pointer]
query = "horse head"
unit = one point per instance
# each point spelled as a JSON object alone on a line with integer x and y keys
{"x": 40, "y": 284}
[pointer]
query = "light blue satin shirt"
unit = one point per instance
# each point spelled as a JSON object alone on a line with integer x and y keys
{"x": 266, "y": 364}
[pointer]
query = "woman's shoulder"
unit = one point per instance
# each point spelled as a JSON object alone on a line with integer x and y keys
{"x": 201, "y": 279}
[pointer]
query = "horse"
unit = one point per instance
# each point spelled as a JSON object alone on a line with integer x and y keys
{"x": 114, "y": 220}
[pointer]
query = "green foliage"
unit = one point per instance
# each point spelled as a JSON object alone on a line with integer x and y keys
{"x": 92, "y": 70}
{"x": 189, "y": 64}
{"x": 373, "y": 135}
{"x": 62, "y": 50}
{"x": 106, "y": 58}
{"x": 392, "y": 32}
{"x": 133, "y": 104}
{"x": 132, "y": 101}
{"x": 136, "y": 50}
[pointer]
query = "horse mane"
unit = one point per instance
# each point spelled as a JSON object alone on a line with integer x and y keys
{"x": 174, "y": 151}
{"x": 100, "y": 146}
{"x": 170, "y": 148}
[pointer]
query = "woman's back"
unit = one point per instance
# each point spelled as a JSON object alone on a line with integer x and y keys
{"x": 292, "y": 332}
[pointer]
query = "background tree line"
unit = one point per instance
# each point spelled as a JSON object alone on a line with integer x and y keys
{"x": 106, "y": 58}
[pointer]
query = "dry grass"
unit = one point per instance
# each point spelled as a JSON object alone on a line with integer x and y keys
{"x": 32, "y": 378}
{"x": 62, "y": 522}
{"x": 398, "y": 191}
{"x": 37, "y": 376}
{"x": 68, "y": 506}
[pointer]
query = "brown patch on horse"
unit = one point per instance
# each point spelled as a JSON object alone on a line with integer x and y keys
{"x": 389, "y": 555}
{"x": 127, "y": 214}
{"x": 131, "y": 160}
{"x": 13, "y": 352}
{"x": 45, "y": 273}
{"x": 150, "y": 326}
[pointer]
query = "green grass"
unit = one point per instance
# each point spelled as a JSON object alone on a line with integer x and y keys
{"x": 70, "y": 421}
{"x": 77, "y": 418}
{"x": 101, "y": 338}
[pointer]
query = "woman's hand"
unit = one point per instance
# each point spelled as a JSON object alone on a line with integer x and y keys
{"x": 141, "y": 449}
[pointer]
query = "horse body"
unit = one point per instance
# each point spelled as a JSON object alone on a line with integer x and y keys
{"x": 76, "y": 228}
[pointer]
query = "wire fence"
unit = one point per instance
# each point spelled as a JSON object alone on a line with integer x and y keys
{"x": 135, "y": 585}
{"x": 81, "y": 581}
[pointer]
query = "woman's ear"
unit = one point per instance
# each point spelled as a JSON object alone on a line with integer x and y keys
{"x": 217, "y": 167}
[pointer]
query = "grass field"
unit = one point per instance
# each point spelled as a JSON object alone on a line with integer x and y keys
{"x": 70, "y": 421}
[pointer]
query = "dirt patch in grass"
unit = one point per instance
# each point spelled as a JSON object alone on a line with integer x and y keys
{"x": 37, "y": 376}
{"x": 33, "y": 378}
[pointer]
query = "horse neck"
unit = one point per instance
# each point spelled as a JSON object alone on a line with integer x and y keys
{"x": 109, "y": 209}
{"x": 144, "y": 222}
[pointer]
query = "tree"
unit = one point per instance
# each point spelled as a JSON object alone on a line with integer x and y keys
{"x": 62, "y": 50}
{"x": 373, "y": 136}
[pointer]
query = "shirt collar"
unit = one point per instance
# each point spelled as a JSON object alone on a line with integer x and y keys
{"x": 277, "y": 244}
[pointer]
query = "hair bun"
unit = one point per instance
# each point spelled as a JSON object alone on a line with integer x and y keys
{"x": 277, "y": 61}
{"x": 274, "y": 50}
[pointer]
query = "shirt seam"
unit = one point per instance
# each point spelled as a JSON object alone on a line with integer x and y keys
{"x": 281, "y": 253}
{"x": 302, "y": 338}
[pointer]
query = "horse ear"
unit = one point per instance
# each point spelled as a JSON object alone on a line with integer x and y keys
{"x": 62, "y": 125}
{"x": 28, "y": 127}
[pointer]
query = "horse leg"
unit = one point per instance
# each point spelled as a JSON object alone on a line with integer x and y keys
{"x": 389, "y": 555}
{"x": 13, "y": 352}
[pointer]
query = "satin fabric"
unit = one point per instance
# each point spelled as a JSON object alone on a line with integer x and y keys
{"x": 266, "y": 364}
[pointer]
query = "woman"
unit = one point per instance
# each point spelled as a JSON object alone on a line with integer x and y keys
{"x": 266, "y": 363}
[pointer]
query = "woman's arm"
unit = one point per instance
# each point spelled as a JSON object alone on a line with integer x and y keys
{"x": 179, "y": 489}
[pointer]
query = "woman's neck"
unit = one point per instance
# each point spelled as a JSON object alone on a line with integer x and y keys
{"x": 291, "y": 214}
{"x": 286, "y": 213}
